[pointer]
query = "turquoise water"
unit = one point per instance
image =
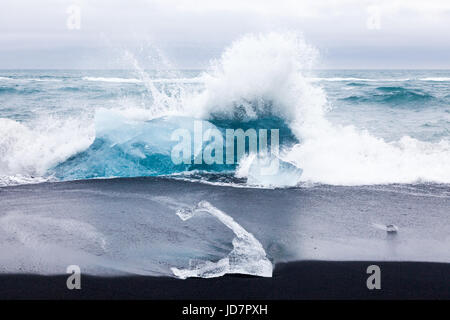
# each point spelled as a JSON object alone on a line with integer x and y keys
{"x": 66, "y": 124}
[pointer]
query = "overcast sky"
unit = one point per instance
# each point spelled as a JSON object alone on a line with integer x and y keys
{"x": 188, "y": 33}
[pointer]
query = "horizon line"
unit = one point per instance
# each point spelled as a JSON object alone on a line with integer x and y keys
{"x": 204, "y": 69}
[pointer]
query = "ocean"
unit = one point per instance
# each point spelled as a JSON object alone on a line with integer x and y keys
{"x": 381, "y": 126}
{"x": 358, "y": 150}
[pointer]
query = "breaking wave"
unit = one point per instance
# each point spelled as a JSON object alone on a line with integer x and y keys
{"x": 258, "y": 82}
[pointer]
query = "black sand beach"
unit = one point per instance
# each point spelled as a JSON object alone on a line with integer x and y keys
{"x": 298, "y": 280}
{"x": 126, "y": 230}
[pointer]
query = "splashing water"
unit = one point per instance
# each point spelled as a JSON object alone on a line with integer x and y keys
{"x": 259, "y": 80}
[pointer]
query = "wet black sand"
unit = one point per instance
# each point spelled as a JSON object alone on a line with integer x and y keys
{"x": 302, "y": 221}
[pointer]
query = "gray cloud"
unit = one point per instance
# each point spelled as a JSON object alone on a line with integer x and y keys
{"x": 189, "y": 33}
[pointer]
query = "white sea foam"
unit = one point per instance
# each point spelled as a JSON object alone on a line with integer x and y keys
{"x": 28, "y": 151}
{"x": 355, "y": 79}
{"x": 19, "y": 179}
{"x": 435, "y": 79}
{"x": 118, "y": 80}
{"x": 29, "y": 79}
{"x": 44, "y": 80}
{"x": 241, "y": 84}
{"x": 359, "y": 79}
{"x": 36, "y": 231}
{"x": 247, "y": 257}
{"x": 135, "y": 80}
{"x": 47, "y": 245}
{"x": 179, "y": 80}
{"x": 257, "y": 76}
{"x": 347, "y": 156}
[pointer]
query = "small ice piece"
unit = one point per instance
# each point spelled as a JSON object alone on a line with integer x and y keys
{"x": 390, "y": 228}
